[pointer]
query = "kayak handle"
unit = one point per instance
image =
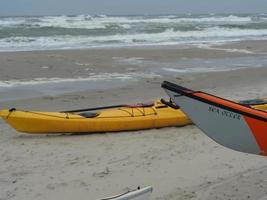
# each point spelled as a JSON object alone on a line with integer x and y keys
{"x": 170, "y": 104}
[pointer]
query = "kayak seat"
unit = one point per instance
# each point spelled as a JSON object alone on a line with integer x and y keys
{"x": 89, "y": 114}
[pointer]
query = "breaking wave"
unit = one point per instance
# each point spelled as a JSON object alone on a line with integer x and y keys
{"x": 86, "y": 31}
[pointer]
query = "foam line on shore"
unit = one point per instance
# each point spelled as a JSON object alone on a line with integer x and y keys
{"x": 92, "y": 77}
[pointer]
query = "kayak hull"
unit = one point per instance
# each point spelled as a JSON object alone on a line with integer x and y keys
{"x": 113, "y": 120}
{"x": 234, "y": 125}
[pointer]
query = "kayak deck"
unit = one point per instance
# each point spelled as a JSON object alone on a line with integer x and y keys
{"x": 120, "y": 119}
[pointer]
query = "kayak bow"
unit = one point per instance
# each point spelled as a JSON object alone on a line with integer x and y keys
{"x": 231, "y": 124}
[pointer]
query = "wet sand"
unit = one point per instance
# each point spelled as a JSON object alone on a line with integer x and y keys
{"x": 180, "y": 163}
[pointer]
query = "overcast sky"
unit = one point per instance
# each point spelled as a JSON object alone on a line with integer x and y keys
{"x": 124, "y": 7}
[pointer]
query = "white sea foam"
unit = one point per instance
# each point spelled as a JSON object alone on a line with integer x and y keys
{"x": 202, "y": 69}
{"x": 9, "y": 21}
{"x": 86, "y": 31}
{"x": 231, "y": 50}
{"x": 131, "y": 60}
{"x": 168, "y": 37}
{"x": 44, "y": 67}
{"x": 91, "y": 77}
{"x": 94, "y": 22}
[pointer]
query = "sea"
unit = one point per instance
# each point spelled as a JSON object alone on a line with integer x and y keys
{"x": 28, "y": 33}
{"x": 97, "y": 31}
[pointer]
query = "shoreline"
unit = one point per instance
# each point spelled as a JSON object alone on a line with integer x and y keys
{"x": 59, "y": 72}
{"x": 236, "y": 43}
{"x": 226, "y": 84}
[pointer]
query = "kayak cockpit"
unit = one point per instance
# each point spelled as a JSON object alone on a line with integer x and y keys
{"x": 89, "y": 114}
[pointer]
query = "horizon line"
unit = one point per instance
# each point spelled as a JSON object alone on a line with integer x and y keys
{"x": 144, "y": 14}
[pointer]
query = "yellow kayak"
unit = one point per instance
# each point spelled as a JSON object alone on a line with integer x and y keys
{"x": 123, "y": 118}
{"x": 260, "y": 104}
{"x": 126, "y": 118}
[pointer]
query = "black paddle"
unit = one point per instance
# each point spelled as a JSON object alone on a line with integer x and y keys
{"x": 170, "y": 104}
{"x": 92, "y": 109}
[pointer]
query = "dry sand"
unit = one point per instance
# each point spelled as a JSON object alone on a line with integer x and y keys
{"x": 180, "y": 163}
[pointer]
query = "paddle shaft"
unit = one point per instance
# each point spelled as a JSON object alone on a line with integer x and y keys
{"x": 116, "y": 106}
{"x": 92, "y": 109}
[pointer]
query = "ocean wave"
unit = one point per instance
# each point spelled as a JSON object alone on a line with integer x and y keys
{"x": 11, "y": 22}
{"x": 86, "y": 31}
{"x": 230, "y": 18}
{"x": 98, "y": 22}
{"x": 166, "y": 37}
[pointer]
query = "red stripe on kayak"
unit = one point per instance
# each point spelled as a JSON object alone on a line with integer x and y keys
{"x": 231, "y": 104}
{"x": 259, "y": 130}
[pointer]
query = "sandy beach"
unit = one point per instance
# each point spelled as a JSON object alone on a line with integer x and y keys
{"x": 179, "y": 163}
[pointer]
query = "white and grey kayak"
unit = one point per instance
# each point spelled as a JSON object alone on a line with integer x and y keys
{"x": 234, "y": 125}
{"x": 138, "y": 194}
